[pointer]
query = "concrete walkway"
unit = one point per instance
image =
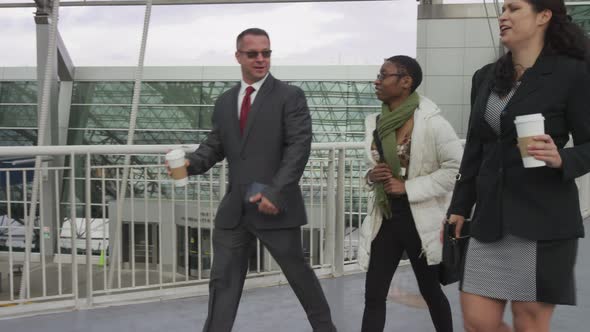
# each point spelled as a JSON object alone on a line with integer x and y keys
{"x": 277, "y": 309}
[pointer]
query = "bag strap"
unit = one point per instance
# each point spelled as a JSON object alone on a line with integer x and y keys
{"x": 377, "y": 140}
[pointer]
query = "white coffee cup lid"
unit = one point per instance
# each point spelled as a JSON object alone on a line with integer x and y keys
{"x": 175, "y": 154}
{"x": 529, "y": 118}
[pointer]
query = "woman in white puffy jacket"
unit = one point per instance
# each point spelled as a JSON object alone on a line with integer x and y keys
{"x": 414, "y": 156}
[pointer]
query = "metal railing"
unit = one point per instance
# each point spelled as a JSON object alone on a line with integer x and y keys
{"x": 165, "y": 247}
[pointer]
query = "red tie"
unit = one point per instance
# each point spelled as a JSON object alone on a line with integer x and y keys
{"x": 245, "y": 109}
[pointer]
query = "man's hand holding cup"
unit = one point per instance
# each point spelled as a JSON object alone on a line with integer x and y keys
{"x": 176, "y": 166}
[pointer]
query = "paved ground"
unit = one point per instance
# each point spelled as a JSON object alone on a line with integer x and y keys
{"x": 277, "y": 309}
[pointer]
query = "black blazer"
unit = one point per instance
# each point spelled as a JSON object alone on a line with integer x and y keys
{"x": 274, "y": 151}
{"x": 534, "y": 203}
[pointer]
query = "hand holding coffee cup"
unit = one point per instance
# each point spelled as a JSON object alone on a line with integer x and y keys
{"x": 543, "y": 148}
{"x": 169, "y": 171}
{"x": 177, "y": 167}
{"x": 528, "y": 127}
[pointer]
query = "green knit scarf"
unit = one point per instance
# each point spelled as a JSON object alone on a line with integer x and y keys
{"x": 389, "y": 122}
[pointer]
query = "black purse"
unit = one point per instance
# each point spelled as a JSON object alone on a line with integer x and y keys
{"x": 453, "y": 253}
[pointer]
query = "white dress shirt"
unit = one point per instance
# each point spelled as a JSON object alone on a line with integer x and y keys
{"x": 242, "y": 93}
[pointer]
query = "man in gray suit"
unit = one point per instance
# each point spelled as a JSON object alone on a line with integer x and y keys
{"x": 263, "y": 127}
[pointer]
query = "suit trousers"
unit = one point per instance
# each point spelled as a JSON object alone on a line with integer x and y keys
{"x": 395, "y": 236}
{"x": 230, "y": 266}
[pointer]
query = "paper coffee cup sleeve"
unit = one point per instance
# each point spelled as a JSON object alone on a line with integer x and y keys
{"x": 523, "y": 143}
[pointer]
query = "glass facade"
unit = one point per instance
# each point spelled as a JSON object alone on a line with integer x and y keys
{"x": 177, "y": 113}
{"x": 18, "y": 113}
{"x": 581, "y": 15}
{"x": 173, "y": 112}
{"x": 18, "y": 127}
{"x": 180, "y": 112}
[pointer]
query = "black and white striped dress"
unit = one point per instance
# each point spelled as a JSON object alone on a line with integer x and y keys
{"x": 517, "y": 269}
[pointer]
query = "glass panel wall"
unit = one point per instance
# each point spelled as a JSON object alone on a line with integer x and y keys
{"x": 18, "y": 113}
{"x": 580, "y": 15}
{"x": 18, "y": 127}
{"x": 177, "y": 113}
{"x": 180, "y": 113}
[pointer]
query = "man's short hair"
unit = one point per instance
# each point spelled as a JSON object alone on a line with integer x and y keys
{"x": 251, "y": 31}
{"x": 410, "y": 66}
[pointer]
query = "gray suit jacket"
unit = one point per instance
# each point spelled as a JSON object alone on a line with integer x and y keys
{"x": 274, "y": 150}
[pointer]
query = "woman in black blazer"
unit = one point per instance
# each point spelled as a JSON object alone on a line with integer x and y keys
{"x": 526, "y": 220}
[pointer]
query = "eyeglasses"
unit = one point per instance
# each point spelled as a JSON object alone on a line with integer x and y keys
{"x": 254, "y": 54}
{"x": 381, "y": 77}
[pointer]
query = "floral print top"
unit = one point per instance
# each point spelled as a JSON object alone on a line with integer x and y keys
{"x": 403, "y": 151}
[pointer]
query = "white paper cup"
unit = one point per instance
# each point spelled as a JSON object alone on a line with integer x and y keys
{"x": 528, "y": 126}
{"x": 175, "y": 160}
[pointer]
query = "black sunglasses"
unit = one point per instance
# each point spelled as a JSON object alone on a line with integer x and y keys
{"x": 254, "y": 54}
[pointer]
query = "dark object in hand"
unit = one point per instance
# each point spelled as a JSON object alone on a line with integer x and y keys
{"x": 453, "y": 253}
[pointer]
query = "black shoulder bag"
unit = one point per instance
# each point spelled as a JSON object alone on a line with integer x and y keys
{"x": 453, "y": 253}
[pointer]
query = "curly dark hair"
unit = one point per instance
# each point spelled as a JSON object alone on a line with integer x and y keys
{"x": 563, "y": 37}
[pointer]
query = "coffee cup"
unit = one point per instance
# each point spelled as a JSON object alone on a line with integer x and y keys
{"x": 527, "y": 127}
{"x": 177, "y": 167}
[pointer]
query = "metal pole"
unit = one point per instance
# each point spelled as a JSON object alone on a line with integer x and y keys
{"x": 130, "y": 136}
{"x": 73, "y": 229}
{"x": 43, "y": 117}
{"x": 339, "y": 219}
{"x": 64, "y": 150}
{"x": 331, "y": 211}
{"x": 89, "y": 298}
{"x": 167, "y": 2}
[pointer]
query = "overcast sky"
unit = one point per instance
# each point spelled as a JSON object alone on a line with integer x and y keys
{"x": 301, "y": 33}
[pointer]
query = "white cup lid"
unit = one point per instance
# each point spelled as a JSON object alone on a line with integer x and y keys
{"x": 529, "y": 118}
{"x": 175, "y": 154}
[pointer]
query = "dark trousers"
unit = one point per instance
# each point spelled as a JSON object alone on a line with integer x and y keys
{"x": 230, "y": 265}
{"x": 395, "y": 236}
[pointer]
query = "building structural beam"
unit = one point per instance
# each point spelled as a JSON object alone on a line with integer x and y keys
{"x": 51, "y": 137}
{"x": 165, "y": 2}
{"x": 43, "y": 7}
{"x": 458, "y": 11}
{"x": 65, "y": 65}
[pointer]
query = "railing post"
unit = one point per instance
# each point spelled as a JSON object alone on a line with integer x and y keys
{"x": 583, "y": 183}
{"x": 222, "y": 177}
{"x": 331, "y": 212}
{"x": 339, "y": 217}
{"x": 73, "y": 229}
{"x": 88, "y": 233}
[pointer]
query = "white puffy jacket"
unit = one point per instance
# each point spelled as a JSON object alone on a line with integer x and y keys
{"x": 435, "y": 157}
